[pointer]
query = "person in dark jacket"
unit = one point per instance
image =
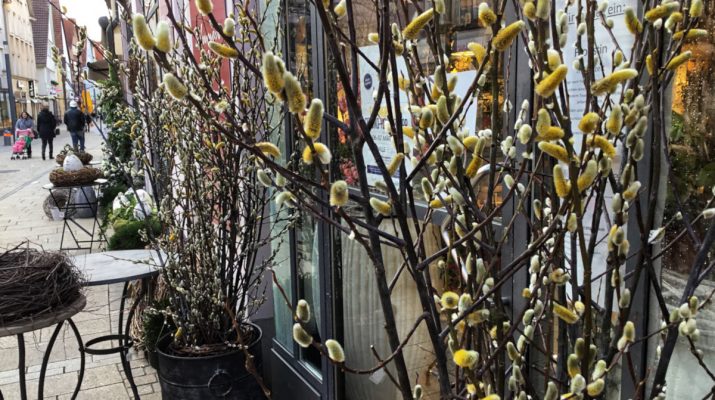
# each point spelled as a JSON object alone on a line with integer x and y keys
{"x": 24, "y": 123}
{"x": 46, "y": 124}
{"x": 74, "y": 119}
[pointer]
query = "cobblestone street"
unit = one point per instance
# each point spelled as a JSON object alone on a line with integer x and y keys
{"x": 22, "y": 218}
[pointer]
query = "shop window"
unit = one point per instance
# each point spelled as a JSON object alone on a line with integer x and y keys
{"x": 692, "y": 153}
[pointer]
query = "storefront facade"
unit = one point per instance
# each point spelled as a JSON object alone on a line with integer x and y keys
{"x": 333, "y": 274}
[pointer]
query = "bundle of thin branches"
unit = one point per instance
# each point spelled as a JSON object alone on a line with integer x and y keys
{"x": 34, "y": 283}
{"x": 84, "y": 176}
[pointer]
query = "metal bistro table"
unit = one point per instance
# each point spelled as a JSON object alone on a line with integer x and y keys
{"x": 58, "y": 318}
{"x": 113, "y": 267}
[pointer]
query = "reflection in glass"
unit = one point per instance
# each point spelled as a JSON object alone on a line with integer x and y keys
{"x": 692, "y": 179}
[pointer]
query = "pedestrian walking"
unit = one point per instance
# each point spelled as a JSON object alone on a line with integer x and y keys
{"x": 74, "y": 119}
{"x": 87, "y": 121}
{"x": 46, "y": 124}
{"x": 25, "y": 123}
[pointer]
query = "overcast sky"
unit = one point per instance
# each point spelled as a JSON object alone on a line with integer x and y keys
{"x": 87, "y": 13}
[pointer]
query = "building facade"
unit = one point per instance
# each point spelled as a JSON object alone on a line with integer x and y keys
{"x": 48, "y": 87}
{"x": 19, "y": 19}
{"x": 7, "y": 110}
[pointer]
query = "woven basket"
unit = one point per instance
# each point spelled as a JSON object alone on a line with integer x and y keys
{"x": 85, "y": 176}
{"x": 83, "y": 156}
{"x": 58, "y": 199}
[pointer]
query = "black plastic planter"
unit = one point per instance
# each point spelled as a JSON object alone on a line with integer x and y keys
{"x": 221, "y": 376}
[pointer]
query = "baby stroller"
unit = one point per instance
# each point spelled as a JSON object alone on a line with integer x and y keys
{"x": 20, "y": 150}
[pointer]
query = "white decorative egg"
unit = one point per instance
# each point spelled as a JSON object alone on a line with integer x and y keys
{"x": 72, "y": 163}
{"x": 141, "y": 213}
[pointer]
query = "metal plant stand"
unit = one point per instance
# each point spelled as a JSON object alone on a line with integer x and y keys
{"x": 57, "y": 318}
{"x": 71, "y": 210}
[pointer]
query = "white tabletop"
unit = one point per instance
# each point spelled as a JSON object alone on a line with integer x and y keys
{"x": 118, "y": 266}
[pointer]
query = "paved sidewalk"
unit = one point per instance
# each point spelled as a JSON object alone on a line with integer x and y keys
{"x": 22, "y": 218}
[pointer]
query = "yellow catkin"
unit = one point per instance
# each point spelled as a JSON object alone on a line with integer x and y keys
{"x": 142, "y": 34}
{"x": 696, "y": 8}
{"x": 543, "y": 9}
{"x": 473, "y": 167}
{"x": 530, "y": 10}
{"x": 572, "y": 365}
{"x": 294, "y": 93}
{"x": 335, "y": 350}
{"x": 595, "y": 388}
{"x": 614, "y": 123}
{"x": 302, "y": 337}
{"x": 470, "y": 142}
{"x": 223, "y": 50}
{"x": 602, "y": 143}
{"x": 554, "y": 150}
{"x": 339, "y": 193}
{"x": 442, "y": 110}
{"x": 543, "y": 121}
{"x": 408, "y": 131}
{"x": 175, "y": 88}
{"x": 587, "y": 177}
{"x": 229, "y": 26}
{"x": 426, "y": 119}
{"x": 506, "y": 36}
{"x": 417, "y": 24}
{"x": 692, "y": 34}
{"x": 321, "y": 151}
{"x": 679, "y": 60}
{"x": 272, "y": 73}
{"x": 381, "y": 207}
{"x": 609, "y": 83}
{"x": 439, "y": 203}
{"x": 163, "y": 38}
{"x": 561, "y": 184}
{"x": 550, "y": 133}
{"x": 341, "y": 9}
{"x": 478, "y": 51}
{"x": 314, "y": 119}
{"x": 565, "y": 314}
{"x": 548, "y": 85}
{"x": 466, "y": 358}
{"x": 661, "y": 11}
{"x": 486, "y": 15}
{"x": 553, "y": 58}
{"x": 632, "y": 23}
{"x": 649, "y": 64}
{"x": 395, "y": 163}
{"x": 204, "y": 6}
{"x": 589, "y": 122}
{"x": 269, "y": 149}
{"x": 373, "y": 37}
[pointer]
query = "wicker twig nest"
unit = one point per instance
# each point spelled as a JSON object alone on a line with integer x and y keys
{"x": 85, "y": 176}
{"x": 34, "y": 283}
{"x": 83, "y": 156}
{"x": 58, "y": 199}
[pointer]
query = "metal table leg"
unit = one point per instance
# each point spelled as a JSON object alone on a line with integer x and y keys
{"x": 21, "y": 365}
{"x": 124, "y": 333}
{"x": 46, "y": 359}
{"x": 81, "y": 355}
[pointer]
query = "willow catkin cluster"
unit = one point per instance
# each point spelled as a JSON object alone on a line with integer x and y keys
{"x": 223, "y": 50}
{"x": 163, "y": 38}
{"x": 412, "y": 30}
{"x": 505, "y": 37}
{"x": 609, "y": 83}
{"x": 551, "y": 82}
{"x": 175, "y": 88}
{"x": 142, "y": 34}
{"x": 314, "y": 119}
